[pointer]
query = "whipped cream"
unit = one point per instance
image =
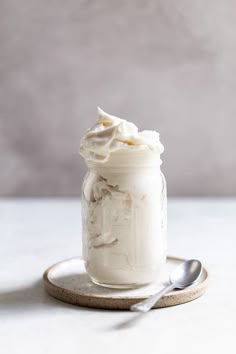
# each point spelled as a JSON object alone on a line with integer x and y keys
{"x": 124, "y": 205}
{"x": 111, "y": 134}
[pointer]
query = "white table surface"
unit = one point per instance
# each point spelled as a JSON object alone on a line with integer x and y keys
{"x": 36, "y": 233}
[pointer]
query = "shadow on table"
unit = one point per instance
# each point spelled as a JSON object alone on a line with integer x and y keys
{"x": 31, "y": 298}
{"x": 133, "y": 319}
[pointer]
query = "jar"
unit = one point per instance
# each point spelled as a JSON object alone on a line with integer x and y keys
{"x": 124, "y": 219}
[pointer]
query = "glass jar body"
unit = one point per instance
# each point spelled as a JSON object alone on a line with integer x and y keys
{"x": 124, "y": 225}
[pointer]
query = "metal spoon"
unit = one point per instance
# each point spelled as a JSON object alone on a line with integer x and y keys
{"x": 183, "y": 276}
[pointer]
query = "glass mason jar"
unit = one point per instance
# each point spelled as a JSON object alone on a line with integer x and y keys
{"x": 124, "y": 219}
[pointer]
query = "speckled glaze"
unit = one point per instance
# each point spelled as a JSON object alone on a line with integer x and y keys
{"x": 68, "y": 282}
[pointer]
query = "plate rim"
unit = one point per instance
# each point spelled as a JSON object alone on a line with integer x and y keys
{"x": 52, "y": 288}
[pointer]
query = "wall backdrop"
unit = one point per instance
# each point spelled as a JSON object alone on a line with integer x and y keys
{"x": 165, "y": 65}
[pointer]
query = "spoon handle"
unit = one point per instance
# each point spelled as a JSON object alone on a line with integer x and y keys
{"x": 147, "y": 304}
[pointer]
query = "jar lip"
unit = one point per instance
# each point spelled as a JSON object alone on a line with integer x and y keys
{"x": 131, "y": 159}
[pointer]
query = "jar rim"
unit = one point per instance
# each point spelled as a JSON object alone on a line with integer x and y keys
{"x": 139, "y": 158}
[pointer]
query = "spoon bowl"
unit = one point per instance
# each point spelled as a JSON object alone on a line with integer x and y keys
{"x": 186, "y": 274}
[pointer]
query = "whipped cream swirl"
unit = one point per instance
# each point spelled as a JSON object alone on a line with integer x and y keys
{"x": 111, "y": 133}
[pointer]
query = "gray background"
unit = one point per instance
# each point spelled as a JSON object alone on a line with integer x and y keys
{"x": 166, "y": 65}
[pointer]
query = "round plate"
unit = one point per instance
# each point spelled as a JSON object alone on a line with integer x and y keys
{"x": 69, "y": 282}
